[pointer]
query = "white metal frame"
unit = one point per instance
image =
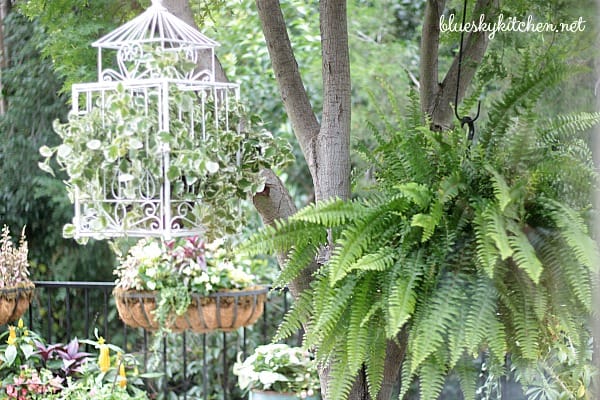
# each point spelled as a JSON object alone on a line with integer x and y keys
{"x": 163, "y": 215}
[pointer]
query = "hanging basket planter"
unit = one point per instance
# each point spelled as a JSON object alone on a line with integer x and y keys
{"x": 223, "y": 311}
{"x": 14, "y": 301}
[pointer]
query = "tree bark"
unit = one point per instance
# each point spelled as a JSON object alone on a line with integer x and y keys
{"x": 333, "y": 142}
{"x": 428, "y": 66}
{"x": 181, "y": 9}
{"x": 437, "y": 98}
{"x": 293, "y": 94}
{"x": 5, "y": 6}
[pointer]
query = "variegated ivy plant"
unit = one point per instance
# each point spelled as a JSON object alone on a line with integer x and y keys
{"x": 212, "y": 168}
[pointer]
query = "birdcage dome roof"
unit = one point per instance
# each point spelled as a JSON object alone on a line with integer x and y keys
{"x": 156, "y": 25}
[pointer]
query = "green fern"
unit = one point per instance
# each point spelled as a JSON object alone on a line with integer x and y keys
{"x": 375, "y": 359}
{"x": 467, "y": 249}
{"x": 468, "y": 376}
{"x": 431, "y": 378}
{"x": 402, "y": 297}
{"x": 481, "y": 310}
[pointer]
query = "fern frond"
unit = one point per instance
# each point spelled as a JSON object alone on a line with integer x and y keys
{"x": 487, "y": 254}
{"x": 341, "y": 377}
{"x": 501, "y": 189}
{"x": 354, "y": 241}
{"x": 415, "y": 117}
{"x": 481, "y": 312}
{"x": 299, "y": 314}
{"x": 496, "y": 340}
{"x": 575, "y": 233}
{"x": 417, "y": 193}
{"x": 432, "y": 375}
{"x": 358, "y": 333}
{"x": 455, "y": 340}
{"x": 450, "y": 187}
{"x": 282, "y": 236}
{"x": 402, "y": 297}
{"x": 427, "y": 334}
{"x": 298, "y": 258}
{"x": 330, "y": 213}
{"x": 524, "y": 254}
{"x": 561, "y": 128}
{"x": 375, "y": 361}
{"x": 525, "y": 90}
{"x": 496, "y": 230}
{"x": 406, "y": 378}
{"x": 468, "y": 376}
{"x": 380, "y": 260}
{"x": 566, "y": 278}
{"x": 427, "y": 222}
{"x": 513, "y": 290}
{"x": 330, "y": 303}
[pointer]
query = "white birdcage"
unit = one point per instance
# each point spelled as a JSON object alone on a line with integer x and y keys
{"x": 140, "y": 200}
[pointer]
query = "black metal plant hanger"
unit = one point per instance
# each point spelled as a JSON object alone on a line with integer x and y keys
{"x": 466, "y": 119}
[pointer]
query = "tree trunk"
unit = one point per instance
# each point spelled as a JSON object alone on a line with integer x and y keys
{"x": 333, "y": 142}
{"x": 437, "y": 99}
{"x": 181, "y": 9}
{"x": 5, "y": 6}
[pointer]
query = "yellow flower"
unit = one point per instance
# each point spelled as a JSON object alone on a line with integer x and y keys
{"x": 20, "y": 324}
{"x": 12, "y": 335}
{"x": 104, "y": 357}
{"x": 122, "y": 376}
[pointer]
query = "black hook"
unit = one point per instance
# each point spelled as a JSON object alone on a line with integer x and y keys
{"x": 470, "y": 122}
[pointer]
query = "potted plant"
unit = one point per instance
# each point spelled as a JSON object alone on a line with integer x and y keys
{"x": 278, "y": 371}
{"x": 460, "y": 244}
{"x": 186, "y": 284}
{"x": 16, "y": 289}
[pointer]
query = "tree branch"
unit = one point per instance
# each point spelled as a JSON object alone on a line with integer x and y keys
{"x": 428, "y": 66}
{"x": 274, "y": 203}
{"x": 442, "y": 113}
{"x": 294, "y": 95}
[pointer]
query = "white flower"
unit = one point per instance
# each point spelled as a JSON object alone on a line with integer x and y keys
{"x": 153, "y": 251}
{"x": 239, "y": 276}
{"x": 214, "y": 246}
{"x": 214, "y": 280}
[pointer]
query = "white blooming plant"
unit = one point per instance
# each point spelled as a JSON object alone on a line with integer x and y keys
{"x": 178, "y": 269}
{"x": 279, "y": 368}
{"x": 14, "y": 266}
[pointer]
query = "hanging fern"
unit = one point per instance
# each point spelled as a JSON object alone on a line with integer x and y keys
{"x": 468, "y": 249}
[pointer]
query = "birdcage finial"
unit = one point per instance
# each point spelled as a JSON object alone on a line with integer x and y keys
{"x": 157, "y": 3}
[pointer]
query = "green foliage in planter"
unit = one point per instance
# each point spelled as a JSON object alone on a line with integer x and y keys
{"x": 459, "y": 246}
{"x": 119, "y": 145}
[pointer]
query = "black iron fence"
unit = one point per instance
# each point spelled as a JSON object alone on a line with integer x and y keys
{"x": 191, "y": 366}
